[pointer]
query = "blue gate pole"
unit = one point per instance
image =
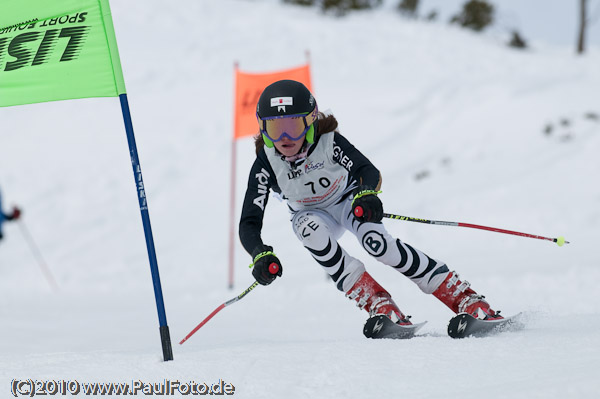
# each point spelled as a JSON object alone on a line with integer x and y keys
{"x": 137, "y": 174}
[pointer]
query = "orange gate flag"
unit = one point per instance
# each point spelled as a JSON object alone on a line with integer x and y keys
{"x": 249, "y": 86}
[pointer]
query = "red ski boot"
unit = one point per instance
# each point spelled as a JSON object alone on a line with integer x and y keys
{"x": 372, "y": 297}
{"x": 459, "y": 297}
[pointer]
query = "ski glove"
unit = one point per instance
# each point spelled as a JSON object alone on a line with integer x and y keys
{"x": 366, "y": 206}
{"x": 266, "y": 265}
{"x": 16, "y": 214}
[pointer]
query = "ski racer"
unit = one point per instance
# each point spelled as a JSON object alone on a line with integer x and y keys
{"x": 331, "y": 187}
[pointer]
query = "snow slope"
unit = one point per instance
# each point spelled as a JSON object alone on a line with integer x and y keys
{"x": 461, "y": 111}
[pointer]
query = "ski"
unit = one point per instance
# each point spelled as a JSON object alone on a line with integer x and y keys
{"x": 382, "y": 327}
{"x": 464, "y": 325}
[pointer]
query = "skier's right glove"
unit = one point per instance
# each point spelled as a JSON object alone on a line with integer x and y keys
{"x": 266, "y": 265}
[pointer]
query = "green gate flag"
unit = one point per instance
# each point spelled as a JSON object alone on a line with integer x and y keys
{"x": 57, "y": 50}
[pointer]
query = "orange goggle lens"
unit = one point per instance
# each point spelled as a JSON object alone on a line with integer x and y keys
{"x": 293, "y": 127}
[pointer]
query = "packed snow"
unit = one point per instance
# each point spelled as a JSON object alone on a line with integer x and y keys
{"x": 462, "y": 128}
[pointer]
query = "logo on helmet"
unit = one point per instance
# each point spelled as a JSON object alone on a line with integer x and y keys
{"x": 281, "y": 102}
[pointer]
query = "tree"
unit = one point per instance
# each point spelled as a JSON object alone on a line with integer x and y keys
{"x": 338, "y": 7}
{"x": 301, "y": 2}
{"x": 582, "y": 26}
{"x": 408, "y": 7}
{"x": 476, "y": 15}
{"x": 517, "y": 41}
{"x": 341, "y": 7}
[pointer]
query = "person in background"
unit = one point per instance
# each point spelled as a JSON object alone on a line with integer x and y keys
{"x": 330, "y": 188}
{"x": 14, "y": 215}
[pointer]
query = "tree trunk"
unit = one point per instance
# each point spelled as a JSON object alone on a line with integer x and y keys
{"x": 582, "y": 22}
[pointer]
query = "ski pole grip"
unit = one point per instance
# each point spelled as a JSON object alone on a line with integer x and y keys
{"x": 358, "y": 211}
{"x": 273, "y": 268}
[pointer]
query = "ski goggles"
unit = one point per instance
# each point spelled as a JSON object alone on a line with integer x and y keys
{"x": 294, "y": 127}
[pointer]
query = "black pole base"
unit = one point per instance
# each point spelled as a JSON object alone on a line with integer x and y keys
{"x": 165, "y": 339}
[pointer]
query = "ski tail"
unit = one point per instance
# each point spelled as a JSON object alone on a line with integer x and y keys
{"x": 381, "y": 326}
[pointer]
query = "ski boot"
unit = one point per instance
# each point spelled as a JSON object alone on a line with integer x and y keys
{"x": 460, "y": 298}
{"x": 373, "y": 298}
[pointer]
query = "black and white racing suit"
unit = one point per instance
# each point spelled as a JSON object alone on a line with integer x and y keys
{"x": 318, "y": 191}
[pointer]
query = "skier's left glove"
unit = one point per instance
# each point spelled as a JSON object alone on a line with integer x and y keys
{"x": 366, "y": 206}
{"x": 266, "y": 265}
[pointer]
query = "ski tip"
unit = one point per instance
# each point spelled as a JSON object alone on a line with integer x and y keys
{"x": 420, "y": 325}
{"x": 464, "y": 325}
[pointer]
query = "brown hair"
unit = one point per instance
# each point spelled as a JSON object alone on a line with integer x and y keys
{"x": 325, "y": 124}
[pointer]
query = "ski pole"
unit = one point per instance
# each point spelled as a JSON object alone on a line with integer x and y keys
{"x": 273, "y": 268}
{"x": 560, "y": 241}
{"x": 38, "y": 255}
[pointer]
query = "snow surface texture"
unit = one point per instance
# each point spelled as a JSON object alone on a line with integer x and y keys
{"x": 455, "y": 122}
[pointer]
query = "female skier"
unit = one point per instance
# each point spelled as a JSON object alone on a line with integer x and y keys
{"x": 331, "y": 187}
